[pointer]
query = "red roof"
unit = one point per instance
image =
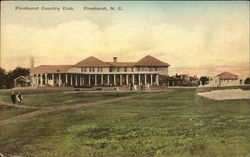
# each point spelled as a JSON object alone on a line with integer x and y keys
{"x": 95, "y": 62}
{"x": 121, "y": 64}
{"x": 92, "y": 62}
{"x": 47, "y": 69}
{"x": 150, "y": 61}
{"x": 227, "y": 75}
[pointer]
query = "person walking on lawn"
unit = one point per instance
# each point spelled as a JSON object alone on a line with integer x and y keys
{"x": 13, "y": 98}
{"x": 19, "y": 98}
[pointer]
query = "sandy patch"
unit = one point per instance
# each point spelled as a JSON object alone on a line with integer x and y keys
{"x": 227, "y": 94}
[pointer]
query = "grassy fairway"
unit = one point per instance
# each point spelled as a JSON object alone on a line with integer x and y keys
{"x": 8, "y": 111}
{"x": 54, "y": 98}
{"x": 179, "y": 123}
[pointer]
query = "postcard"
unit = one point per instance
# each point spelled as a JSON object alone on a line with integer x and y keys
{"x": 124, "y": 78}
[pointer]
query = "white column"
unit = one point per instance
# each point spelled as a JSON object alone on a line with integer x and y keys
{"x": 41, "y": 80}
{"x": 114, "y": 79}
{"x": 120, "y": 79}
{"x": 139, "y": 78}
{"x": 108, "y": 79}
{"x": 157, "y": 80}
{"x": 95, "y": 80}
{"x": 80, "y": 80}
{"x": 71, "y": 80}
{"x": 37, "y": 80}
{"x": 145, "y": 78}
{"x": 151, "y": 79}
{"x": 66, "y": 79}
{"x": 133, "y": 79}
{"x": 34, "y": 80}
{"x": 83, "y": 83}
{"x": 89, "y": 79}
{"x": 127, "y": 79}
{"x": 59, "y": 79}
{"x": 76, "y": 80}
{"x": 53, "y": 79}
{"x": 101, "y": 79}
{"x": 46, "y": 79}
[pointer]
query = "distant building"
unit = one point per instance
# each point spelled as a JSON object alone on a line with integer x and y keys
{"x": 225, "y": 79}
{"x": 95, "y": 72}
{"x": 183, "y": 80}
{"x": 22, "y": 81}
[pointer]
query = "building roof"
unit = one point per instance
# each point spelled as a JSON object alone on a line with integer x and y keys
{"x": 150, "y": 61}
{"x": 121, "y": 64}
{"x": 46, "y": 69}
{"x": 95, "y": 62}
{"x": 22, "y": 78}
{"x": 227, "y": 75}
{"x": 92, "y": 62}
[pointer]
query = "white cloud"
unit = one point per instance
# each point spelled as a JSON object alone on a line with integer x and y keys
{"x": 69, "y": 42}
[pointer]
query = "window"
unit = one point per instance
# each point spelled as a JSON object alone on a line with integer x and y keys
{"x": 91, "y": 69}
{"x": 83, "y": 69}
{"x": 99, "y": 69}
{"x": 125, "y": 69}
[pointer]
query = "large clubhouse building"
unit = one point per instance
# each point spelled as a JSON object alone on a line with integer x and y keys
{"x": 95, "y": 72}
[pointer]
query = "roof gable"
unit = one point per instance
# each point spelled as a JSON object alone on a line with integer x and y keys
{"x": 92, "y": 62}
{"x": 227, "y": 75}
{"x": 150, "y": 61}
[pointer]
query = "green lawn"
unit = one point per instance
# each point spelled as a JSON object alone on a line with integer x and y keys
{"x": 58, "y": 98}
{"x": 32, "y": 91}
{"x": 178, "y": 123}
{"x": 8, "y": 111}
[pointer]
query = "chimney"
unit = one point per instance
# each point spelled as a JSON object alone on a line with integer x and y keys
{"x": 114, "y": 59}
{"x": 31, "y": 63}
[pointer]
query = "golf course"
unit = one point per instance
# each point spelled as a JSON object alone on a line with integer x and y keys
{"x": 175, "y": 123}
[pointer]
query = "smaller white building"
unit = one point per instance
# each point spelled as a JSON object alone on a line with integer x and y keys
{"x": 225, "y": 79}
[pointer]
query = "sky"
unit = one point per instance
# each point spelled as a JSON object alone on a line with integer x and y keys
{"x": 194, "y": 37}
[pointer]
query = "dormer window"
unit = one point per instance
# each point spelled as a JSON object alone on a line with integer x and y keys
{"x": 83, "y": 69}
{"x": 91, "y": 69}
{"x": 99, "y": 69}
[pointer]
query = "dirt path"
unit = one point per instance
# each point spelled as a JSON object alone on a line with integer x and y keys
{"x": 43, "y": 110}
{"x": 18, "y": 106}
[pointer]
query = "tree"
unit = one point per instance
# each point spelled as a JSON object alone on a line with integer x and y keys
{"x": 7, "y": 79}
{"x": 3, "y": 78}
{"x": 20, "y": 72}
{"x": 247, "y": 81}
